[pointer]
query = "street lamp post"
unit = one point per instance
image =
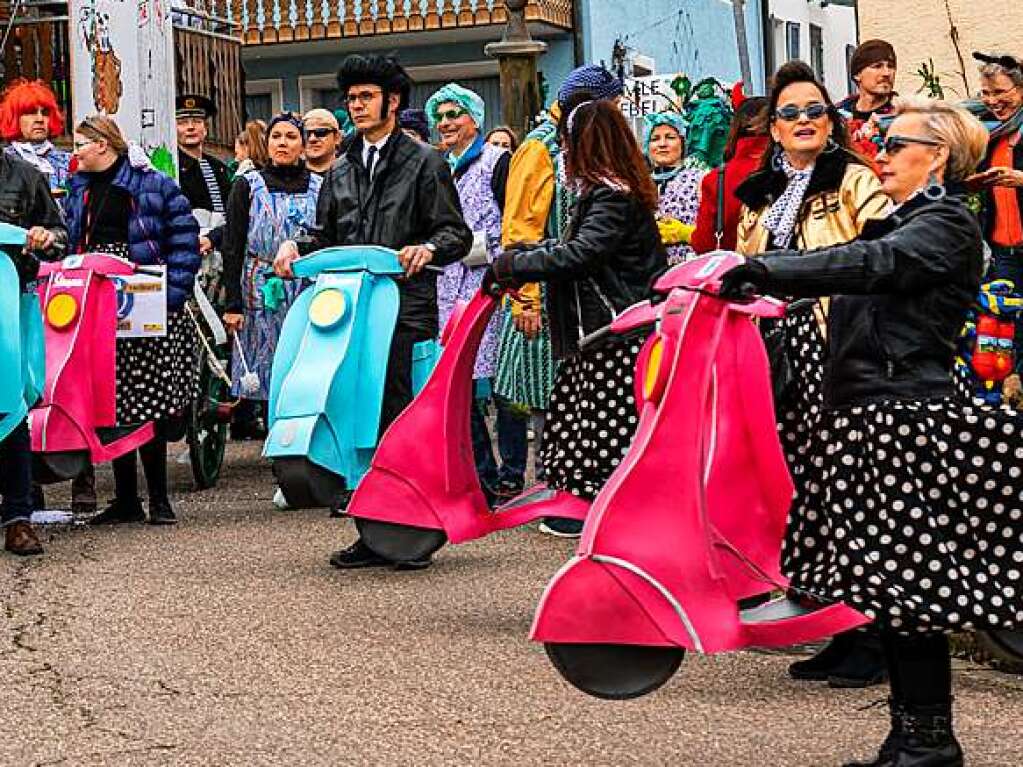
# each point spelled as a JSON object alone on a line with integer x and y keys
{"x": 516, "y": 54}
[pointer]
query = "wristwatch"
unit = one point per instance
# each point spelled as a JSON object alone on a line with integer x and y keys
{"x": 430, "y": 247}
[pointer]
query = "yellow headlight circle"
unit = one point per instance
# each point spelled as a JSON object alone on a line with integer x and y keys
{"x": 327, "y": 308}
{"x": 61, "y": 310}
{"x": 653, "y": 368}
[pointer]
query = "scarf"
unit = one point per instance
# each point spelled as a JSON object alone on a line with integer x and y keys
{"x": 466, "y": 158}
{"x": 1010, "y": 127}
{"x": 662, "y": 176}
{"x": 781, "y": 218}
{"x": 35, "y": 155}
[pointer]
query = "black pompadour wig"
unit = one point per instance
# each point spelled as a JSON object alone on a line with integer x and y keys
{"x": 374, "y": 69}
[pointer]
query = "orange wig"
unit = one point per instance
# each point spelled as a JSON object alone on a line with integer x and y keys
{"x": 24, "y": 97}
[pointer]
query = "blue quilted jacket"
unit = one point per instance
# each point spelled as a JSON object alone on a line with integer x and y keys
{"x": 161, "y": 229}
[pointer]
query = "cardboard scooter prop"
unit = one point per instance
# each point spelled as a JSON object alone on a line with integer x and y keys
{"x": 692, "y": 520}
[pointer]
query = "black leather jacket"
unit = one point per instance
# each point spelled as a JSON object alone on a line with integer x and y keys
{"x": 25, "y": 201}
{"x": 608, "y": 258}
{"x": 411, "y": 201}
{"x": 900, "y": 295}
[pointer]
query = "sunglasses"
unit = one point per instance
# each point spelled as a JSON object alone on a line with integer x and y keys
{"x": 320, "y": 132}
{"x": 450, "y": 114}
{"x": 790, "y": 113}
{"x": 892, "y": 145}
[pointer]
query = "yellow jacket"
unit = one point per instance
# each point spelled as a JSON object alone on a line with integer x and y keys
{"x": 527, "y": 205}
{"x": 830, "y": 216}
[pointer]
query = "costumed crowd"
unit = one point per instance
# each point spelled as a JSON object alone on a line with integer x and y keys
{"x": 880, "y": 217}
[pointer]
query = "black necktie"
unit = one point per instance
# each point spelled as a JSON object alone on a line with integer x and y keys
{"x": 371, "y": 158}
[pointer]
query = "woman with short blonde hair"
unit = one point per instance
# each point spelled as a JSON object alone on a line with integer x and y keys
{"x": 908, "y": 512}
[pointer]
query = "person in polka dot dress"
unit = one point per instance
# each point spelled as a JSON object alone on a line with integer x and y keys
{"x": 605, "y": 262}
{"x": 911, "y": 509}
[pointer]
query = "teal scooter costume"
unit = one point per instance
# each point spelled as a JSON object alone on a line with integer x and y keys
{"x": 327, "y": 380}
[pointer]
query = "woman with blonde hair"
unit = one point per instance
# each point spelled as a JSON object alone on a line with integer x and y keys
{"x": 250, "y": 150}
{"x": 140, "y": 214}
{"x": 811, "y": 191}
{"x": 910, "y": 514}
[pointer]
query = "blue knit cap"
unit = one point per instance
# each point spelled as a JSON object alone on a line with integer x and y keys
{"x": 674, "y": 119}
{"x": 287, "y": 117}
{"x": 456, "y": 94}
{"x": 415, "y": 120}
{"x": 592, "y": 78}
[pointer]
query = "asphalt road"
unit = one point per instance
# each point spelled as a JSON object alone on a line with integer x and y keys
{"x": 228, "y": 640}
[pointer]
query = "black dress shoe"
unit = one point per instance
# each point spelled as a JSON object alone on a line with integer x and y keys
{"x": 360, "y": 555}
{"x": 339, "y": 508}
{"x": 119, "y": 512}
{"x": 161, "y": 513}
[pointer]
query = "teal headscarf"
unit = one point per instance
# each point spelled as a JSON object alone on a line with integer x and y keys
{"x": 465, "y": 98}
{"x": 674, "y": 119}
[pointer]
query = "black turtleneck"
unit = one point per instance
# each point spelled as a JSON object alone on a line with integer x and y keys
{"x": 291, "y": 179}
{"x": 107, "y": 209}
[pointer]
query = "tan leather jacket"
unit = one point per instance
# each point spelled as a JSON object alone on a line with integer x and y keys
{"x": 841, "y": 197}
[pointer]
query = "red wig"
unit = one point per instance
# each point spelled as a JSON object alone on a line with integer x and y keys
{"x": 24, "y": 97}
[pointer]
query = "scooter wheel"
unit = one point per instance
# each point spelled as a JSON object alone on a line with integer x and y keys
{"x": 400, "y": 543}
{"x": 48, "y": 468}
{"x": 1005, "y": 647}
{"x": 615, "y": 671}
{"x": 305, "y": 484}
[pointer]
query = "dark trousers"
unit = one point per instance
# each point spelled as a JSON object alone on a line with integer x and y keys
{"x": 154, "y": 466}
{"x": 1007, "y": 264}
{"x": 16, "y": 476}
{"x": 398, "y": 382}
{"x": 919, "y": 667}
{"x": 511, "y": 444}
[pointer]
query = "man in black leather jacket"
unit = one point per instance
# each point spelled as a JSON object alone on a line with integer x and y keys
{"x": 25, "y": 201}
{"x": 387, "y": 189}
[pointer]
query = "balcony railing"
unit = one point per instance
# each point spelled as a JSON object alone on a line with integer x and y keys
{"x": 285, "y": 21}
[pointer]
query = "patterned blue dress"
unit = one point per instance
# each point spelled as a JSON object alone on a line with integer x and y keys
{"x": 273, "y": 218}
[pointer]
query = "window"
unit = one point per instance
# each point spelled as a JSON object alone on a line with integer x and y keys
{"x": 849, "y": 51}
{"x": 792, "y": 40}
{"x": 817, "y": 51}
{"x": 258, "y": 106}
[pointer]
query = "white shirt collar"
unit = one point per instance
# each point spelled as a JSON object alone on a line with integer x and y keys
{"x": 379, "y": 147}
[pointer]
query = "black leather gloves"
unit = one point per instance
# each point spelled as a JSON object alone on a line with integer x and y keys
{"x": 742, "y": 282}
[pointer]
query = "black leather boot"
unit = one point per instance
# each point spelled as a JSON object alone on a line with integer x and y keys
{"x": 891, "y": 743}
{"x": 161, "y": 512}
{"x": 863, "y": 665}
{"x": 925, "y": 740}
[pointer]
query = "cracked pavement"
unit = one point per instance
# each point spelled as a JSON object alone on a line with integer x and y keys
{"x": 228, "y": 640}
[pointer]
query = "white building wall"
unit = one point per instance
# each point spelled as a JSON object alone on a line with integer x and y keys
{"x": 838, "y": 26}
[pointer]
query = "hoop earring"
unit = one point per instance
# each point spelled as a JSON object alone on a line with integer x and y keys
{"x": 934, "y": 191}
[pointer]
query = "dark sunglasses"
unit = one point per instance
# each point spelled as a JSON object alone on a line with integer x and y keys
{"x": 451, "y": 114}
{"x": 320, "y": 132}
{"x": 790, "y": 113}
{"x": 892, "y": 145}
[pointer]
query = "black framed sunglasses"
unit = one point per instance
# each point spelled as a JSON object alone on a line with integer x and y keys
{"x": 450, "y": 114}
{"x": 790, "y": 113}
{"x": 320, "y": 132}
{"x": 893, "y": 144}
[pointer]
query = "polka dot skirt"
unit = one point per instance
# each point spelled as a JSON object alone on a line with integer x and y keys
{"x": 911, "y": 512}
{"x": 155, "y": 376}
{"x": 591, "y": 419}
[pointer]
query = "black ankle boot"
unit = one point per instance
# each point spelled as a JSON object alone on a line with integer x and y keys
{"x": 161, "y": 512}
{"x": 119, "y": 512}
{"x": 922, "y": 738}
{"x": 819, "y": 667}
{"x": 891, "y": 743}
{"x": 864, "y": 664}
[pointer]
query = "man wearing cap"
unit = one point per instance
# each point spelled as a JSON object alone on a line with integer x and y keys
{"x": 389, "y": 190}
{"x": 873, "y": 67}
{"x": 203, "y": 178}
{"x": 536, "y": 207}
{"x": 322, "y": 139}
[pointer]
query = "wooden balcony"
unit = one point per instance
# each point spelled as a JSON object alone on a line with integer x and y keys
{"x": 290, "y": 21}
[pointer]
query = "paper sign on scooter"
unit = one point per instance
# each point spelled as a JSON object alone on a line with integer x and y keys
{"x": 142, "y": 304}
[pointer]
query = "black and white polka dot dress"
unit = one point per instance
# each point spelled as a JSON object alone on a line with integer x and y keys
{"x": 155, "y": 376}
{"x": 911, "y": 512}
{"x": 591, "y": 418}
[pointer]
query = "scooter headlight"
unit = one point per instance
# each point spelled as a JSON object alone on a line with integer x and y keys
{"x": 655, "y": 375}
{"x": 61, "y": 311}
{"x": 327, "y": 308}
